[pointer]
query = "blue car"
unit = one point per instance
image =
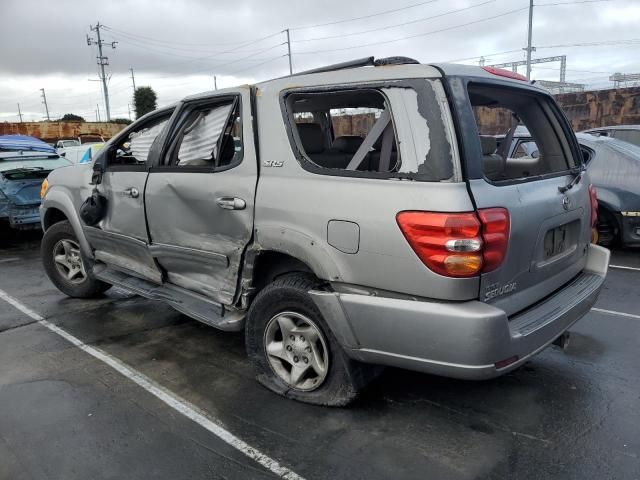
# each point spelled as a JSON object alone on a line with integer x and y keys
{"x": 24, "y": 164}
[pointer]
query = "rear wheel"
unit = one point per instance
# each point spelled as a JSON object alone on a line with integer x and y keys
{"x": 64, "y": 266}
{"x": 608, "y": 230}
{"x": 292, "y": 349}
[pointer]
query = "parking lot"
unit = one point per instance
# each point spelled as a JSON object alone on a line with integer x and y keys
{"x": 123, "y": 387}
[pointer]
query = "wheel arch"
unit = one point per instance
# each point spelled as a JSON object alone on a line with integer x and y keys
{"x": 58, "y": 207}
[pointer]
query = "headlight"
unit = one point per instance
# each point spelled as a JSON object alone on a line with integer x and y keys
{"x": 44, "y": 188}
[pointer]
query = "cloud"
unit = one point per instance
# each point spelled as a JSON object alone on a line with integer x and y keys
{"x": 177, "y": 46}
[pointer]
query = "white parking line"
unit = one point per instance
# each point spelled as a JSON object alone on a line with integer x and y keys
{"x": 171, "y": 399}
{"x": 7, "y": 260}
{"x": 613, "y": 312}
{"x": 623, "y": 267}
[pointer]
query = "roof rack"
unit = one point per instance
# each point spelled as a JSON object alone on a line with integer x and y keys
{"x": 360, "y": 62}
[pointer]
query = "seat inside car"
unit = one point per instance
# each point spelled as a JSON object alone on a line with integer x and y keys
{"x": 493, "y": 164}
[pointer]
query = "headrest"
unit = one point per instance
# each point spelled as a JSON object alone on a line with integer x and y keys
{"x": 489, "y": 144}
{"x": 311, "y": 137}
{"x": 347, "y": 143}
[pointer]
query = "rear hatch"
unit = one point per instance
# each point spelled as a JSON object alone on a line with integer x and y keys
{"x": 550, "y": 224}
{"x": 22, "y": 186}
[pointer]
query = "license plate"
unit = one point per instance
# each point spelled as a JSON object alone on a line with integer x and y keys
{"x": 555, "y": 241}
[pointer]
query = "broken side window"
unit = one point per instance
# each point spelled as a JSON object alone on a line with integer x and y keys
{"x": 210, "y": 137}
{"x": 134, "y": 149}
{"x": 380, "y": 132}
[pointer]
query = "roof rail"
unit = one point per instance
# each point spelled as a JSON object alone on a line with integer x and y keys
{"x": 360, "y": 62}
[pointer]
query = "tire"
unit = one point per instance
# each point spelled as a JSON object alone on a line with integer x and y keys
{"x": 288, "y": 297}
{"x": 608, "y": 230}
{"x": 60, "y": 241}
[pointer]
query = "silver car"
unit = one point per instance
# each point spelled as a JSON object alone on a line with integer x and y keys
{"x": 347, "y": 216}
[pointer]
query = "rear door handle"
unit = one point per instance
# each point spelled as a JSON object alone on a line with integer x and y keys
{"x": 231, "y": 203}
{"x": 132, "y": 192}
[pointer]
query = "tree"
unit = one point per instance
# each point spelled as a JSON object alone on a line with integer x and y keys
{"x": 71, "y": 117}
{"x": 144, "y": 101}
{"x": 121, "y": 121}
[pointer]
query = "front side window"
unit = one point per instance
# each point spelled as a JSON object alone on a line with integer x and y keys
{"x": 503, "y": 115}
{"x": 210, "y": 137}
{"x": 380, "y": 132}
{"x": 134, "y": 148}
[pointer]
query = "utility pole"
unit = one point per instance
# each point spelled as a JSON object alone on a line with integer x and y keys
{"x": 289, "y": 50}
{"x": 44, "y": 100}
{"x": 102, "y": 61}
{"x": 530, "y": 48}
{"x": 129, "y": 110}
{"x": 215, "y": 82}
{"x": 98, "y": 111}
{"x": 19, "y": 113}
{"x": 482, "y": 61}
{"x": 133, "y": 80}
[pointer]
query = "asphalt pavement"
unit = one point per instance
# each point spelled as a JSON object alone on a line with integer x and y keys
{"x": 126, "y": 388}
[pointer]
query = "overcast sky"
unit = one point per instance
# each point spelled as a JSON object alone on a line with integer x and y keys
{"x": 177, "y": 46}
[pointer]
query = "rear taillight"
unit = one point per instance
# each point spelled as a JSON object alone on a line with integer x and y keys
{"x": 458, "y": 244}
{"x": 495, "y": 234}
{"x": 593, "y": 195}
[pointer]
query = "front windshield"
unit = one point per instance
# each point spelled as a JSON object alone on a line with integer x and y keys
{"x": 32, "y": 163}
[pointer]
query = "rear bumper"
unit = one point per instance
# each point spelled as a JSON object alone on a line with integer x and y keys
{"x": 24, "y": 217}
{"x": 461, "y": 340}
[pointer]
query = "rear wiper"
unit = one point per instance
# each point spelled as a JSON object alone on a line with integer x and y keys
{"x": 577, "y": 176}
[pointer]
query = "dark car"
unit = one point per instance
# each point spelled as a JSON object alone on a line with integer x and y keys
{"x": 626, "y": 133}
{"x": 24, "y": 164}
{"x": 614, "y": 167}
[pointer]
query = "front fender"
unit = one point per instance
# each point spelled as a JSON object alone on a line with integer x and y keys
{"x": 57, "y": 198}
{"x": 609, "y": 199}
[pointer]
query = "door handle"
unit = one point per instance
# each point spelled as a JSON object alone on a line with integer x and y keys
{"x": 231, "y": 203}
{"x": 132, "y": 192}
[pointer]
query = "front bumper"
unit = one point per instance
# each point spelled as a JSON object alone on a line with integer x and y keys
{"x": 24, "y": 217}
{"x": 461, "y": 340}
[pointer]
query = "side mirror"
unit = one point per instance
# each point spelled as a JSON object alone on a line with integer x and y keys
{"x": 63, "y": 154}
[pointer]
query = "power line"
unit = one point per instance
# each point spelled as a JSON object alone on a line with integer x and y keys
{"x": 631, "y": 41}
{"x": 395, "y": 25}
{"x": 353, "y": 19}
{"x": 569, "y": 3}
{"x": 170, "y": 42}
{"x": 495, "y": 54}
{"x": 432, "y": 32}
{"x": 160, "y": 48}
{"x": 258, "y": 64}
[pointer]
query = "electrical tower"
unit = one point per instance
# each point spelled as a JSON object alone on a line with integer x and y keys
{"x": 44, "y": 100}
{"x": 133, "y": 80}
{"x": 619, "y": 78}
{"x": 102, "y": 61}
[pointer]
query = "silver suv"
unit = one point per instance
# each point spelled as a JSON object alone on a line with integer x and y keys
{"x": 353, "y": 215}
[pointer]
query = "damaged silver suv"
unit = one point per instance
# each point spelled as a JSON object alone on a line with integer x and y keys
{"x": 355, "y": 215}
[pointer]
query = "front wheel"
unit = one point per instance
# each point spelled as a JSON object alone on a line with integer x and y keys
{"x": 292, "y": 349}
{"x": 64, "y": 266}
